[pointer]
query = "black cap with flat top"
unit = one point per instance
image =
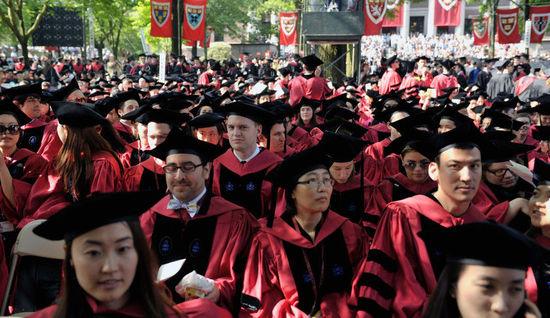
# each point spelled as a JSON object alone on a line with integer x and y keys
{"x": 77, "y": 115}
{"x": 9, "y": 108}
{"x": 178, "y": 142}
{"x": 95, "y": 211}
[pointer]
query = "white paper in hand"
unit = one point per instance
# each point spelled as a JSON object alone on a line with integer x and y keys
{"x": 521, "y": 171}
{"x": 258, "y": 88}
{"x": 169, "y": 270}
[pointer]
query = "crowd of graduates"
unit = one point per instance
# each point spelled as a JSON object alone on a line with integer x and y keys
{"x": 415, "y": 192}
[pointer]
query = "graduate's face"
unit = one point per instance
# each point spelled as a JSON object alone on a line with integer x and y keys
{"x": 243, "y": 133}
{"x": 341, "y": 171}
{"x": 205, "y": 109}
{"x": 157, "y": 133}
{"x": 32, "y": 107}
{"x": 545, "y": 120}
{"x": 76, "y": 97}
{"x": 209, "y": 134}
{"x": 538, "y": 207}
{"x": 142, "y": 134}
{"x": 487, "y": 292}
{"x": 498, "y": 174}
{"x": 416, "y": 166}
{"x": 312, "y": 193}
{"x": 457, "y": 174}
{"x": 105, "y": 262}
{"x": 306, "y": 113}
{"x": 128, "y": 106}
{"x": 278, "y": 137}
{"x": 523, "y": 131}
{"x": 445, "y": 125}
{"x": 8, "y": 139}
{"x": 186, "y": 185}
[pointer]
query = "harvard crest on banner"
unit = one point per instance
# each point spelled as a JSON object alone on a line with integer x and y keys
{"x": 161, "y": 18}
{"x": 480, "y": 30}
{"x": 287, "y": 28}
{"x": 397, "y": 10}
{"x": 508, "y": 26}
{"x": 374, "y": 11}
{"x": 539, "y": 22}
{"x": 447, "y": 12}
{"x": 194, "y": 20}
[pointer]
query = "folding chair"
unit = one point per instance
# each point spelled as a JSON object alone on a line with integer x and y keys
{"x": 30, "y": 244}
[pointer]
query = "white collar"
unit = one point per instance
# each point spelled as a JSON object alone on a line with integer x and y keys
{"x": 192, "y": 206}
{"x": 254, "y": 154}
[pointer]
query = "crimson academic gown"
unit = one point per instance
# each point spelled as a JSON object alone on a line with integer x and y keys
{"x": 284, "y": 265}
{"x": 401, "y": 271}
{"x": 213, "y": 242}
{"x": 377, "y": 132}
{"x": 31, "y": 134}
{"x": 146, "y": 176}
{"x": 299, "y": 138}
{"x": 443, "y": 81}
{"x": 134, "y": 154}
{"x": 389, "y": 82}
{"x": 394, "y": 188}
{"x": 196, "y": 308}
{"x": 3, "y": 270}
{"x": 488, "y": 204}
{"x": 349, "y": 200}
{"x": 47, "y": 195}
{"x": 296, "y": 90}
{"x": 377, "y": 165}
{"x": 125, "y": 132}
{"x": 410, "y": 85}
{"x": 50, "y": 144}
{"x": 317, "y": 88}
{"x": 243, "y": 183}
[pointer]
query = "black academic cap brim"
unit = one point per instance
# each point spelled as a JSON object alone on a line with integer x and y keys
{"x": 178, "y": 142}
{"x": 341, "y": 148}
{"x": 541, "y": 133}
{"x": 95, "y": 211}
{"x": 311, "y": 61}
{"x": 77, "y": 115}
{"x": 253, "y": 112}
{"x": 7, "y": 107}
{"x": 206, "y": 120}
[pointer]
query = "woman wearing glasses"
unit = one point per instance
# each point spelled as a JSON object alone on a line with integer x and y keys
{"x": 302, "y": 263}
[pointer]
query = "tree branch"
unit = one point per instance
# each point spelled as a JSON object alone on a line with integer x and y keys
{"x": 38, "y": 18}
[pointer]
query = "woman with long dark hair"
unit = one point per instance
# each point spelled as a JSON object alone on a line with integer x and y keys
{"x": 306, "y": 117}
{"x": 481, "y": 279}
{"x": 108, "y": 269}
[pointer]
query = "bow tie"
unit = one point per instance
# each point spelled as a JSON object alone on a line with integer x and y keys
{"x": 176, "y": 204}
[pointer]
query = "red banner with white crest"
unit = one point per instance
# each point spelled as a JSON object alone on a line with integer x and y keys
{"x": 447, "y": 12}
{"x": 194, "y": 19}
{"x": 374, "y": 11}
{"x": 480, "y": 30}
{"x": 539, "y": 22}
{"x": 508, "y": 26}
{"x": 397, "y": 11}
{"x": 287, "y": 28}
{"x": 161, "y": 18}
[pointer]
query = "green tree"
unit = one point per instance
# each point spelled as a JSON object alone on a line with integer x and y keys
{"x": 22, "y": 19}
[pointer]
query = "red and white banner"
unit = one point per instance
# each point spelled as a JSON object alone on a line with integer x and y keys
{"x": 539, "y": 22}
{"x": 374, "y": 11}
{"x": 397, "y": 20}
{"x": 194, "y": 19}
{"x": 480, "y": 30}
{"x": 508, "y": 26}
{"x": 161, "y": 18}
{"x": 287, "y": 28}
{"x": 447, "y": 12}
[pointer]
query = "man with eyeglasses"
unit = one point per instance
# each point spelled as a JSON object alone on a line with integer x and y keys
{"x": 209, "y": 232}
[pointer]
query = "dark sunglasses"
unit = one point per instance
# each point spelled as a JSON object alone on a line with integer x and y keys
{"x": 11, "y": 129}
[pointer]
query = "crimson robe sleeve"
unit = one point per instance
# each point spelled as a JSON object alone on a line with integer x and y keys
{"x": 261, "y": 294}
{"x": 147, "y": 222}
{"x": 388, "y": 283}
{"x": 380, "y": 196}
{"x": 203, "y": 79}
{"x": 230, "y": 266}
{"x": 34, "y": 165}
{"x": 14, "y": 212}
{"x": 3, "y": 270}
{"x": 51, "y": 144}
{"x": 132, "y": 178}
{"x": 106, "y": 177}
{"x": 200, "y": 308}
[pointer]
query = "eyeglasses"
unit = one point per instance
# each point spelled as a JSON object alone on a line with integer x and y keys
{"x": 187, "y": 167}
{"x": 500, "y": 172}
{"x": 316, "y": 183}
{"x": 11, "y": 129}
{"x": 411, "y": 165}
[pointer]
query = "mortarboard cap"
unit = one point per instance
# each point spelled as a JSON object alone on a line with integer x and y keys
{"x": 484, "y": 243}
{"x": 285, "y": 71}
{"x": 7, "y": 107}
{"x": 541, "y": 172}
{"x": 64, "y": 92}
{"x": 103, "y": 106}
{"x": 77, "y": 115}
{"x": 179, "y": 143}
{"x": 541, "y": 133}
{"x": 311, "y": 61}
{"x": 120, "y": 98}
{"x": 163, "y": 116}
{"x": 23, "y": 91}
{"x": 206, "y": 120}
{"x": 96, "y": 211}
{"x": 502, "y": 63}
{"x": 314, "y": 104}
{"x": 505, "y": 150}
{"x": 253, "y": 112}
{"x": 343, "y": 127}
{"x": 391, "y": 59}
{"x": 341, "y": 148}
{"x": 459, "y": 136}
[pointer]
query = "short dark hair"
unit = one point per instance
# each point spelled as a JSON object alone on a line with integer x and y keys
{"x": 463, "y": 146}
